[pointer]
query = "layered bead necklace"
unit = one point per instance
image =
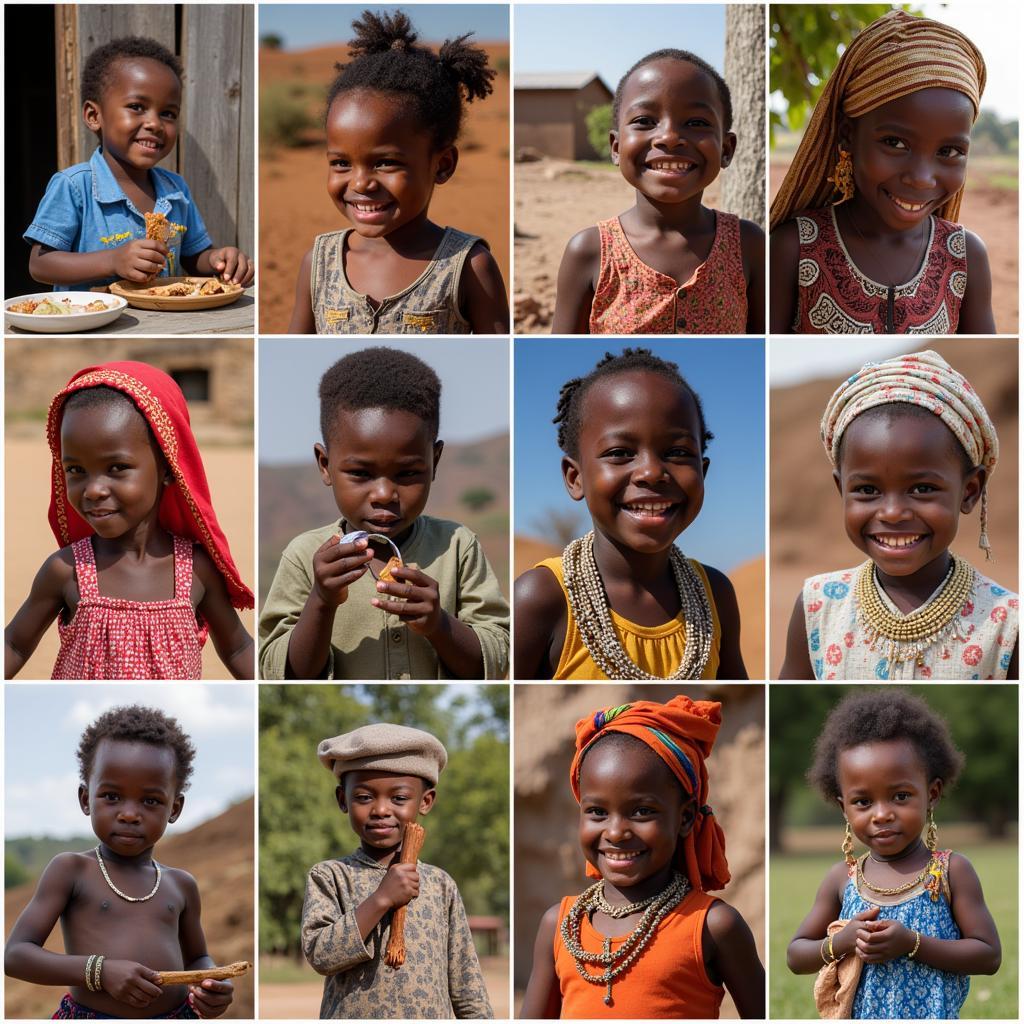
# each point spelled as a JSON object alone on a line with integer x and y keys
{"x": 590, "y": 610}
{"x": 654, "y": 908}
{"x": 907, "y": 637}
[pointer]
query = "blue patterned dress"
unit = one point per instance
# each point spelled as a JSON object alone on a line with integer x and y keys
{"x": 905, "y": 989}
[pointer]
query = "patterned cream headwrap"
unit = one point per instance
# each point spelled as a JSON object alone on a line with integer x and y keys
{"x": 927, "y": 380}
{"x": 894, "y": 56}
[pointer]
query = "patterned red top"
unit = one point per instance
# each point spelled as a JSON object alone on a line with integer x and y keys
{"x": 834, "y": 297}
{"x": 633, "y": 298}
{"x": 114, "y": 638}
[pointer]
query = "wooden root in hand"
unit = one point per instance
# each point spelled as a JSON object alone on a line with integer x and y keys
{"x": 195, "y": 977}
{"x": 412, "y": 843}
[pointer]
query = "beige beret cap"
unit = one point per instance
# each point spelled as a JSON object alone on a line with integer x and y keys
{"x": 387, "y": 748}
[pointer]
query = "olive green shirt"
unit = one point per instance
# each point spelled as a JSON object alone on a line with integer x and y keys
{"x": 369, "y": 643}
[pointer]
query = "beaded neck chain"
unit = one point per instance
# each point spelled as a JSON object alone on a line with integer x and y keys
{"x": 898, "y": 890}
{"x": 655, "y": 908}
{"x": 589, "y": 604}
{"x": 907, "y": 637}
{"x": 124, "y": 896}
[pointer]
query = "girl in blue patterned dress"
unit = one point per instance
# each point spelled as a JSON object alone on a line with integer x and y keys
{"x": 899, "y": 929}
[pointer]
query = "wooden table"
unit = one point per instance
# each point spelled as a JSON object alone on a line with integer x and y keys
{"x": 238, "y": 318}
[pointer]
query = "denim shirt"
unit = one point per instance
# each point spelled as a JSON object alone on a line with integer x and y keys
{"x": 85, "y": 210}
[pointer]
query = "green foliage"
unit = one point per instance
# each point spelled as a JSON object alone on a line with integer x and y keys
{"x": 477, "y": 498}
{"x": 599, "y": 124}
{"x": 33, "y": 853}
{"x": 991, "y": 134}
{"x": 284, "y": 115}
{"x": 271, "y": 41}
{"x": 14, "y": 872}
{"x": 794, "y": 880}
{"x": 300, "y": 824}
{"x": 805, "y": 44}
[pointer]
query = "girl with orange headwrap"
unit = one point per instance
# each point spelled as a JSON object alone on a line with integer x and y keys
{"x": 646, "y": 940}
{"x": 144, "y": 572}
{"x": 864, "y": 238}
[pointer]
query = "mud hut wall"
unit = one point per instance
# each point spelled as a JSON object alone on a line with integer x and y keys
{"x": 593, "y": 94}
{"x": 545, "y": 121}
{"x": 548, "y": 862}
{"x": 214, "y": 152}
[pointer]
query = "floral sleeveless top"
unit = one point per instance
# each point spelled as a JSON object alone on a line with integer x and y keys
{"x": 633, "y": 298}
{"x": 905, "y": 989}
{"x": 428, "y": 306}
{"x": 834, "y": 297}
{"x": 114, "y": 638}
{"x": 839, "y": 648}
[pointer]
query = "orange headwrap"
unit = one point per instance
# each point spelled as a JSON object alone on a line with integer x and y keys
{"x": 682, "y": 733}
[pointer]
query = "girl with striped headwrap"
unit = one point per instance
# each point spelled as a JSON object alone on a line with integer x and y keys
{"x": 646, "y": 940}
{"x": 912, "y": 448}
{"x": 864, "y": 233}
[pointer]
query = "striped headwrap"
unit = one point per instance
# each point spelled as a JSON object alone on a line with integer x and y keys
{"x": 927, "y": 380}
{"x": 894, "y": 56}
{"x": 682, "y": 733}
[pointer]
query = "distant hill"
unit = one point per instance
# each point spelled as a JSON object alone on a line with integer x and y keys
{"x": 293, "y": 499}
{"x": 34, "y": 853}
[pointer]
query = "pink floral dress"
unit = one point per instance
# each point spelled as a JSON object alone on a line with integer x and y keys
{"x": 114, "y": 638}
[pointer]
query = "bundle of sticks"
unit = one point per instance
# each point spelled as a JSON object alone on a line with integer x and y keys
{"x": 412, "y": 842}
{"x": 197, "y": 977}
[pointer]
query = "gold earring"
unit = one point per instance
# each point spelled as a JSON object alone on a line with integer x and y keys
{"x": 931, "y": 835}
{"x": 847, "y": 846}
{"x": 842, "y": 177}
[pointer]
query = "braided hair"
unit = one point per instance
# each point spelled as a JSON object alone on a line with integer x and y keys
{"x": 689, "y": 58}
{"x": 570, "y": 398}
{"x": 433, "y": 85}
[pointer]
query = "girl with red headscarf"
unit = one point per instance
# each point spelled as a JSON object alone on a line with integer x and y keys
{"x": 646, "y": 940}
{"x": 144, "y": 572}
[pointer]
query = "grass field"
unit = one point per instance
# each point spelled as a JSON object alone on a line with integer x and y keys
{"x": 794, "y": 879}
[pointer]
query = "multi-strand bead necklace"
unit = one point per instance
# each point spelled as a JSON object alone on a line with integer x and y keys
{"x": 907, "y": 637}
{"x": 592, "y": 615}
{"x": 654, "y": 908}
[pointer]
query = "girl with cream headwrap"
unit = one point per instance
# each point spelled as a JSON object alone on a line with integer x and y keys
{"x": 864, "y": 239}
{"x": 912, "y": 449}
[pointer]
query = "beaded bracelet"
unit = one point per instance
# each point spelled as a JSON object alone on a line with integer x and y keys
{"x": 97, "y": 968}
{"x": 917, "y": 946}
{"x": 88, "y": 972}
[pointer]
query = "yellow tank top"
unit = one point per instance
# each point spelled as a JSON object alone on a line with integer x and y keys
{"x": 656, "y": 649}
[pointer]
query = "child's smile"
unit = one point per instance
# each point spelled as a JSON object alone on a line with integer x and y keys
{"x": 379, "y": 804}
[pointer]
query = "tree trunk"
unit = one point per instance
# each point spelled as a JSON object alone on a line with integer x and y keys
{"x": 743, "y": 181}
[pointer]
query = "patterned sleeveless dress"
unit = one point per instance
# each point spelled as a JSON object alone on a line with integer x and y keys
{"x": 834, "y": 297}
{"x": 114, "y": 638}
{"x": 905, "y": 989}
{"x": 428, "y": 306}
{"x": 633, "y": 298}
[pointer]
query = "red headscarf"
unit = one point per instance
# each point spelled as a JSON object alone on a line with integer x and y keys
{"x": 185, "y": 508}
{"x": 682, "y": 733}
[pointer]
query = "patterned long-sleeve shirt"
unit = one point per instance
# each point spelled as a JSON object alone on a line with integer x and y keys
{"x": 441, "y": 976}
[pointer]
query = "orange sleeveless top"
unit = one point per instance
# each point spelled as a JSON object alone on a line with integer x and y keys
{"x": 667, "y": 981}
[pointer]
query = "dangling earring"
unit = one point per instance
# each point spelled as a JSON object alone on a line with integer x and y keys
{"x": 842, "y": 177}
{"x": 931, "y": 835}
{"x": 847, "y": 846}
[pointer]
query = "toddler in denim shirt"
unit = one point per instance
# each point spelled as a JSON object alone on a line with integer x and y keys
{"x": 90, "y": 227}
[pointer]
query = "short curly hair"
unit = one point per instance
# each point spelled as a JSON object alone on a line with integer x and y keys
{"x": 133, "y": 723}
{"x": 97, "y": 70}
{"x": 876, "y": 716}
{"x": 568, "y": 415}
{"x": 434, "y": 86}
{"x": 689, "y": 58}
{"x": 380, "y": 378}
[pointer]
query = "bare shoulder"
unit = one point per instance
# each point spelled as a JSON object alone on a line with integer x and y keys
{"x": 181, "y": 879}
{"x": 549, "y": 923}
{"x": 836, "y": 878}
{"x": 58, "y": 569}
{"x": 537, "y": 592}
{"x": 977, "y": 252}
{"x": 726, "y": 923}
{"x": 720, "y": 583}
{"x": 584, "y": 248}
{"x": 203, "y": 567}
{"x": 751, "y": 236}
{"x": 482, "y": 259}
{"x": 961, "y": 870}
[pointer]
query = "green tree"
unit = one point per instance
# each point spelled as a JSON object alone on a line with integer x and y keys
{"x": 14, "y": 872}
{"x": 477, "y": 498}
{"x": 599, "y": 124}
{"x": 805, "y": 44}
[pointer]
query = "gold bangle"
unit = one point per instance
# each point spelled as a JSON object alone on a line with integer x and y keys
{"x": 821, "y": 951}
{"x": 88, "y": 972}
{"x": 917, "y": 946}
{"x": 831, "y": 951}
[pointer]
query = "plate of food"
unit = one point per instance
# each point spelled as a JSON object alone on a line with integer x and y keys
{"x": 170, "y": 294}
{"x": 62, "y": 312}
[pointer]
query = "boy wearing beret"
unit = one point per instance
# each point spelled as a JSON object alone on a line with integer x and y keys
{"x": 386, "y": 778}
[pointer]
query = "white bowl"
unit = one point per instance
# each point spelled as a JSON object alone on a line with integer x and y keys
{"x": 70, "y": 323}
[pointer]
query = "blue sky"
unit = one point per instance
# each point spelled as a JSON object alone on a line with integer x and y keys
{"x": 611, "y": 38}
{"x": 728, "y": 374}
{"x": 474, "y": 389}
{"x": 305, "y": 25}
{"x": 43, "y": 724}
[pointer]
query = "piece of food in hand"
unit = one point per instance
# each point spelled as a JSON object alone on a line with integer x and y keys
{"x": 196, "y": 977}
{"x": 158, "y": 227}
{"x": 386, "y": 574}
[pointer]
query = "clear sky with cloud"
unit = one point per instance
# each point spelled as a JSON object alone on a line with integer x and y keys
{"x": 43, "y": 725}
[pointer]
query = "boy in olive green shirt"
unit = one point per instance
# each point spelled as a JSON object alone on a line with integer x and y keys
{"x": 328, "y": 615}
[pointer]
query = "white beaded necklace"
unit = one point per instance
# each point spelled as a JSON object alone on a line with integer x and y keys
{"x": 590, "y": 610}
{"x": 124, "y": 896}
